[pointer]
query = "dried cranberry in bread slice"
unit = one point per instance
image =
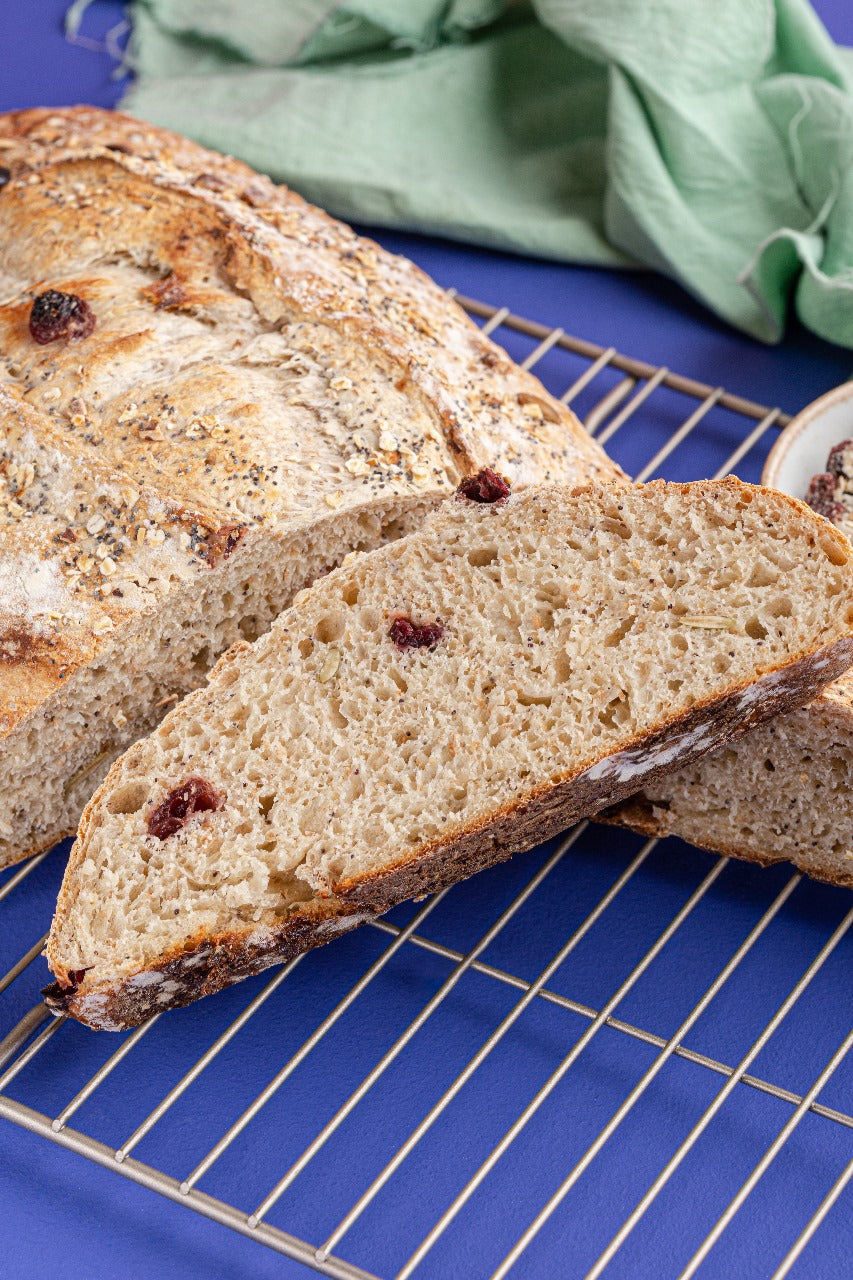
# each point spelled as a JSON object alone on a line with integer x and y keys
{"x": 779, "y": 794}
{"x": 210, "y": 392}
{"x": 432, "y": 707}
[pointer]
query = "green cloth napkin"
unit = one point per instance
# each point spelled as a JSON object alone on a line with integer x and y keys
{"x": 709, "y": 139}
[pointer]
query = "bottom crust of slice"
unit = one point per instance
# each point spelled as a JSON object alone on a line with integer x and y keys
{"x": 643, "y": 816}
{"x": 204, "y": 965}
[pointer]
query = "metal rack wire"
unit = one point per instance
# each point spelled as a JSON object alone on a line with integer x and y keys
{"x": 617, "y": 391}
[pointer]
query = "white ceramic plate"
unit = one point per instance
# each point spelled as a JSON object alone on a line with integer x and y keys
{"x": 802, "y": 448}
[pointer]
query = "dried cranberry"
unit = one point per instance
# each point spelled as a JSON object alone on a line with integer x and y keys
{"x": 485, "y": 486}
{"x": 415, "y": 635}
{"x": 5, "y": 175}
{"x": 222, "y": 542}
{"x": 840, "y": 460}
{"x": 821, "y": 497}
{"x": 192, "y": 796}
{"x": 60, "y": 315}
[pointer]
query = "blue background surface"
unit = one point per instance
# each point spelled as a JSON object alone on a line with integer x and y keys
{"x": 63, "y": 1216}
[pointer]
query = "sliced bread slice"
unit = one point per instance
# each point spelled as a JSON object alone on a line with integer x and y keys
{"x": 780, "y": 794}
{"x": 432, "y": 707}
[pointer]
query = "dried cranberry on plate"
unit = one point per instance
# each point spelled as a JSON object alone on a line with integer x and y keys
{"x": 840, "y": 460}
{"x": 821, "y": 497}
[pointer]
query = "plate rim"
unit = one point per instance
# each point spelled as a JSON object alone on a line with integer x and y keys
{"x": 798, "y": 424}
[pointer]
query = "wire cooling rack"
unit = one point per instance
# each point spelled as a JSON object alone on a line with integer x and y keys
{"x": 617, "y": 1064}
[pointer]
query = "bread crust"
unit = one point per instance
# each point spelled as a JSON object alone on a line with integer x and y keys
{"x": 316, "y": 266}
{"x": 207, "y": 964}
{"x": 92, "y": 193}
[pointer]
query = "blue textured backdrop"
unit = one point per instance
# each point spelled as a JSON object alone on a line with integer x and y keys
{"x": 63, "y": 1216}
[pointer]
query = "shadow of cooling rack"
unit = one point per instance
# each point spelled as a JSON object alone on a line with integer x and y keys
{"x": 604, "y": 1056}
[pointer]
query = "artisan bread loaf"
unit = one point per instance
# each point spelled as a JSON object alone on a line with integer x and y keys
{"x": 782, "y": 793}
{"x": 210, "y": 392}
{"x": 433, "y": 706}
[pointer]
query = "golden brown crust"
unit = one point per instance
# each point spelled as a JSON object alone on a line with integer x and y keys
{"x": 207, "y": 964}
{"x": 318, "y": 268}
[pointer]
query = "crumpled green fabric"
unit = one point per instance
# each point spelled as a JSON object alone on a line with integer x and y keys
{"x": 709, "y": 139}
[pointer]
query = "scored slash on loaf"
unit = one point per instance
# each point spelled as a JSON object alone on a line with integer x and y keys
{"x": 563, "y": 648}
